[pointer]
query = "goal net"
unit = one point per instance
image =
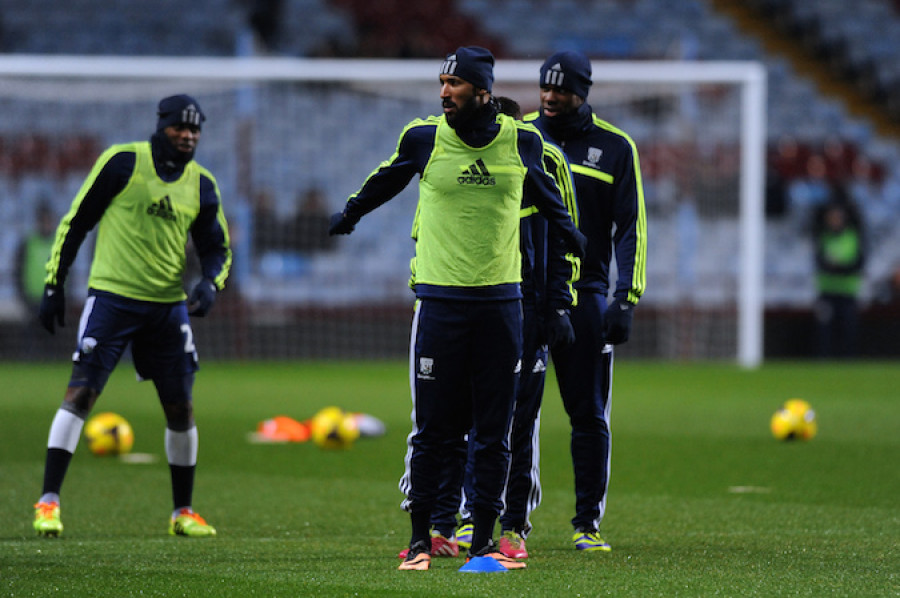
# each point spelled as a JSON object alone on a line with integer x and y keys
{"x": 290, "y": 139}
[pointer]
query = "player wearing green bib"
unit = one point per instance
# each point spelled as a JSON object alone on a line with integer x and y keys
{"x": 548, "y": 277}
{"x": 466, "y": 341}
{"x": 144, "y": 198}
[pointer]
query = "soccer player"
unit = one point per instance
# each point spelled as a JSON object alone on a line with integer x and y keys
{"x": 466, "y": 340}
{"x": 145, "y": 198}
{"x": 548, "y": 279}
{"x": 548, "y": 274}
{"x": 612, "y": 216}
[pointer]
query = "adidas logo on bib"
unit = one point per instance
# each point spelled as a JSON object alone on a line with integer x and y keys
{"x": 476, "y": 174}
{"x": 162, "y": 208}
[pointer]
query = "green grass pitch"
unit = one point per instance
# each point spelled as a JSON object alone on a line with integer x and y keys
{"x": 703, "y": 501}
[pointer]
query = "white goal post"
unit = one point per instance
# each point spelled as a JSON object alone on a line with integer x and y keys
{"x": 79, "y": 78}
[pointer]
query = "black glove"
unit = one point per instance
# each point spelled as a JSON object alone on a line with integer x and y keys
{"x": 580, "y": 249}
{"x": 617, "y": 322}
{"x": 53, "y": 308}
{"x": 559, "y": 328}
{"x": 202, "y": 298}
{"x": 340, "y": 225}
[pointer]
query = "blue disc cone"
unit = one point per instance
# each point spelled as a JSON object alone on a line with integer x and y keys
{"x": 482, "y": 564}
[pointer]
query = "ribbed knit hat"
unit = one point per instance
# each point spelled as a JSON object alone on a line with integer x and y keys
{"x": 472, "y": 64}
{"x": 568, "y": 70}
{"x": 175, "y": 110}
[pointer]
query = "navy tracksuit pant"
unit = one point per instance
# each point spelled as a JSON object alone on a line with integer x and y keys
{"x": 465, "y": 357}
{"x": 523, "y": 486}
{"x": 523, "y": 489}
{"x": 584, "y": 374}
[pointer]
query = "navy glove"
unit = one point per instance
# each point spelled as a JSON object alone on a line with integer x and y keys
{"x": 340, "y": 225}
{"x": 202, "y": 298}
{"x": 559, "y": 328}
{"x": 53, "y": 308}
{"x": 617, "y": 322}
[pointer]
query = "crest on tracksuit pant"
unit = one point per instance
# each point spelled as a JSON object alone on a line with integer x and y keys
{"x": 426, "y": 368}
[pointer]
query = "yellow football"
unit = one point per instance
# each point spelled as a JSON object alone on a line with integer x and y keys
{"x": 334, "y": 428}
{"x": 108, "y": 434}
{"x": 795, "y": 420}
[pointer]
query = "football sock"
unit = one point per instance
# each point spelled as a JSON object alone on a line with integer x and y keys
{"x": 182, "y": 485}
{"x": 181, "y": 447}
{"x": 49, "y": 497}
{"x": 65, "y": 431}
{"x": 181, "y": 451}
{"x": 55, "y": 470}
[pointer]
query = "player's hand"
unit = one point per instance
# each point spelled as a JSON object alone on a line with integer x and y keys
{"x": 340, "y": 224}
{"x": 617, "y": 322}
{"x": 202, "y": 298}
{"x": 580, "y": 243}
{"x": 559, "y": 328}
{"x": 53, "y": 308}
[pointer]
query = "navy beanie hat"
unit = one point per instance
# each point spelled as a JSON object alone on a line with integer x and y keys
{"x": 472, "y": 64}
{"x": 568, "y": 70}
{"x": 175, "y": 110}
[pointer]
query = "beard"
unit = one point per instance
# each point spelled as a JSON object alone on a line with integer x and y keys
{"x": 463, "y": 113}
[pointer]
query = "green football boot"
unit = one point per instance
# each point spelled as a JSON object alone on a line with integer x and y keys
{"x": 190, "y": 524}
{"x": 46, "y": 519}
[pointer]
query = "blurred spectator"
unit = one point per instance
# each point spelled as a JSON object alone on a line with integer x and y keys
{"x": 866, "y": 190}
{"x": 283, "y": 244}
{"x": 789, "y": 157}
{"x": 840, "y": 258}
{"x": 776, "y": 192}
{"x": 269, "y": 231}
{"x": 30, "y": 271}
{"x": 810, "y": 191}
{"x": 306, "y": 232}
{"x": 264, "y": 17}
{"x": 310, "y": 233}
{"x": 887, "y": 290}
{"x": 839, "y": 156}
{"x": 31, "y": 258}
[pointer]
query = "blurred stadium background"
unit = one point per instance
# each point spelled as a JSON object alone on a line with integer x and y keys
{"x": 287, "y": 154}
